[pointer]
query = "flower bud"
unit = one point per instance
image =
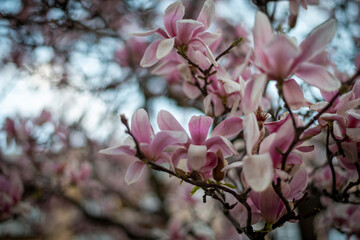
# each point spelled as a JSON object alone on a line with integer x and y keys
{"x": 218, "y": 175}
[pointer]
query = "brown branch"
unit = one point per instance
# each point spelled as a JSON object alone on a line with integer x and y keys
{"x": 329, "y": 157}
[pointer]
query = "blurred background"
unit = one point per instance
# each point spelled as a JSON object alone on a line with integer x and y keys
{"x": 68, "y": 69}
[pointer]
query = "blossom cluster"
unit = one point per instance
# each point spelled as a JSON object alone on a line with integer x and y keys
{"x": 258, "y": 159}
{"x": 236, "y": 126}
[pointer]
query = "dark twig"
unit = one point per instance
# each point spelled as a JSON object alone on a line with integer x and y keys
{"x": 329, "y": 157}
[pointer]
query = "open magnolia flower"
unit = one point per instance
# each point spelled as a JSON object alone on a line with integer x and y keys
{"x": 151, "y": 145}
{"x": 199, "y": 150}
{"x": 268, "y": 202}
{"x": 278, "y": 57}
{"x": 185, "y": 33}
{"x": 257, "y": 168}
{"x": 264, "y": 154}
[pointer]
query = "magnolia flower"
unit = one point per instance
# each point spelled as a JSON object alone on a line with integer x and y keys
{"x": 257, "y": 168}
{"x": 323, "y": 178}
{"x": 346, "y": 120}
{"x": 199, "y": 150}
{"x": 151, "y": 145}
{"x": 268, "y": 202}
{"x": 186, "y": 33}
{"x": 279, "y": 57}
{"x": 282, "y": 133}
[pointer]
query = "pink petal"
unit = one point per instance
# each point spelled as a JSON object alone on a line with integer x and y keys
{"x": 165, "y": 47}
{"x": 294, "y": 159}
{"x": 219, "y": 142}
{"x": 262, "y": 31}
{"x": 149, "y": 58}
{"x": 294, "y": 94}
{"x": 159, "y": 31}
{"x": 266, "y": 143}
{"x": 190, "y": 90}
{"x": 233, "y": 165}
{"x": 305, "y": 148}
{"x": 281, "y": 53}
{"x": 347, "y": 106}
{"x": 282, "y": 141}
{"x": 218, "y": 105}
{"x": 274, "y": 126}
{"x": 356, "y": 88}
{"x": 251, "y": 132}
{"x": 210, "y": 162}
{"x": 119, "y": 150}
{"x": 318, "y": 76}
{"x": 140, "y": 126}
{"x": 167, "y": 121}
{"x": 317, "y": 40}
{"x": 207, "y": 14}
{"x": 339, "y": 132}
{"x": 165, "y": 68}
{"x": 353, "y": 119}
{"x": 208, "y": 38}
{"x": 177, "y": 156}
{"x": 230, "y": 86}
{"x": 318, "y": 106}
{"x": 258, "y": 171}
{"x": 173, "y": 13}
{"x": 228, "y": 128}
{"x": 311, "y": 132}
{"x": 185, "y": 30}
{"x": 353, "y": 134}
{"x": 199, "y": 128}
{"x": 253, "y": 93}
{"x": 166, "y": 138}
{"x": 196, "y": 156}
{"x": 298, "y": 185}
{"x": 207, "y": 50}
{"x": 134, "y": 172}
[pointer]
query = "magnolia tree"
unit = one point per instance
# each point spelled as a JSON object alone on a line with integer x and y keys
{"x": 266, "y": 151}
{"x": 264, "y": 147}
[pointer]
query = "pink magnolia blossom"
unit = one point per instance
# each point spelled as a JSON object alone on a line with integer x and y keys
{"x": 281, "y": 135}
{"x": 171, "y": 68}
{"x": 345, "y": 119}
{"x": 263, "y": 154}
{"x": 257, "y": 168}
{"x": 323, "y": 178}
{"x": 179, "y": 32}
{"x": 199, "y": 150}
{"x": 151, "y": 145}
{"x": 279, "y": 57}
{"x": 268, "y": 202}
